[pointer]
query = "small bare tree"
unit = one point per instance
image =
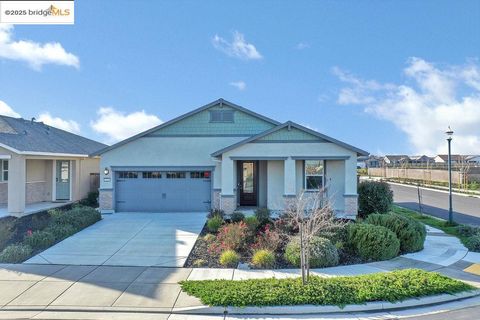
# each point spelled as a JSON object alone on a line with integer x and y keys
{"x": 312, "y": 214}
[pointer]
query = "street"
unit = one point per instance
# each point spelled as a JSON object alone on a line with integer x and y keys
{"x": 466, "y": 209}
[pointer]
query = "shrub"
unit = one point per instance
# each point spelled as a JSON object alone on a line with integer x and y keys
{"x": 237, "y": 216}
{"x": 374, "y": 197}
{"x": 263, "y": 259}
{"x": 263, "y": 215}
{"x": 78, "y": 217}
{"x": 411, "y": 233}
{"x": 209, "y": 238}
{"x": 285, "y": 225}
{"x": 39, "y": 222}
{"x": 6, "y": 232}
{"x": 373, "y": 243}
{"x": 216, "y": 212}
{"x": 229, "y": 258}
{"x": 267, "y": 239}
{"x": 467, "y": 230}
{"x": 230, "y": 237}
{"x": 60, "y": 231}
{"x": 252, "y": 223}
{"x": 473, "y": 243}
{"x": 322, "y": 253}
{"x": 392, "y": 286}
{"x": 198, "y": 263}
{"x": 15, "y": 253}
{"x": 91, "y": 200}
{"x": 214, "y": 223}
{"x": 39, "y": 240}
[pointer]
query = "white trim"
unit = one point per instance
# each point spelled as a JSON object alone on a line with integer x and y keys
{"x": 5, "y": 157}
{"x": 313, "y": 175}
{"x": 70, "y": 179}
{"x": 40, "y": 153}
{"x": 54, "y": 180}
{"x": 39, "y": 181}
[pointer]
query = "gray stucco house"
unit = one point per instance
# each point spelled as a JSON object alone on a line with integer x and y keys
{"x": 42, "y": 166}
{"x": 225, "y": 156}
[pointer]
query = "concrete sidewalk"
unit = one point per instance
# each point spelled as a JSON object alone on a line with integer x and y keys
{"x": 60, "y": 288}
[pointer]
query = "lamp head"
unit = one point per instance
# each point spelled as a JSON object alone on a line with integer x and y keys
{"x": 449, "y": 132}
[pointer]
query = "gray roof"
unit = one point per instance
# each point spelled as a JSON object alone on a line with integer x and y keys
{"x": 30, "y": 136}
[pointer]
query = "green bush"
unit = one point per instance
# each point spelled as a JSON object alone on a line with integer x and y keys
{"x": 263, "y": 215}
{"x": 374, "y": 197}
{"x": 392, "y": 286}
{"x": 216, "y": 212}
{"x": 322, "y": 253}
{"x": 6, "y": 232}
{"x": 214, "y": 223}
{"x": 91, "y": 200}
{"x": 15, "y": 253}
{"x": 467, "y": 230}
{"x": 473, "y": 243}
{"x": 252, "y": 224}
{"x": 373, "y": 243}
{"x": 60, "y": 231}
{"x": 229, "y": 258}
{"x": 78, "y": 217}
{"x": 198, "y": 263}
{"x": 237, "y": 216}
{"x": 39, "y": 222}
{"x": 39, "y": 240}
{"x": 411, "y": 233}
{"x": 263, "y": 259}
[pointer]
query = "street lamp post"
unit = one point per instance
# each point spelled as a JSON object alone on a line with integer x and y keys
{"x": 449, "y": 133}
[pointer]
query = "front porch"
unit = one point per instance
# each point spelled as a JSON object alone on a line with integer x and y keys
{"x": 34, "y": 207}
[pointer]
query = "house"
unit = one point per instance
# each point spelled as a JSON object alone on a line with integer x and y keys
{"x": 423, "y": 159}
{"x": 41, "y": 164}
{"x": 443, "y": 158}
{"x": 394, "y": 160}
{"x": 225, "y": 156}
{"x": 373, "y": 162}
{"x": 473, "y": 159}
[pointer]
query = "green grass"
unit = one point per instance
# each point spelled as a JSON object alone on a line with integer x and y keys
{"x": 387, "y": 286}
{"x": 431, "y": 221}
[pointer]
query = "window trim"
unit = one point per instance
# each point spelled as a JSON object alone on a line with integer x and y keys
{"x": 305, "y": 175}
{"x": 3, "y": 170}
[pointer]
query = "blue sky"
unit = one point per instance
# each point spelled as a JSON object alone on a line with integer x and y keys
{"x": 386, "y": 76}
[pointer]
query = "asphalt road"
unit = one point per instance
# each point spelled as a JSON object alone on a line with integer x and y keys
{"x": 465, "y": 209}
{"x": 462, "y": 314}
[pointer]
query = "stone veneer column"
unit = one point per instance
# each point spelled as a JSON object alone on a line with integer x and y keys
{"x": 228, "y": 204}
{"x": 216, "y": 199}
{"x": 105, "y": 199}
{"x": 351, "y": 206}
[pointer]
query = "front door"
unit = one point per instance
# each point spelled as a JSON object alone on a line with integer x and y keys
{"x": 63, "y": 180}
{"x": 247, "y": 184}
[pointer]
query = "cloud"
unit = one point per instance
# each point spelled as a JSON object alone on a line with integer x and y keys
{"x": 302, "y": 45}
{"x": 238, "y": 48}
{"x": 117, "y": 125}
{"x": 240, "y": 85}
{"x": 67, "y": 125}
{"x": 432, "y": 98}
{"x": 6, "y": 110}
{"x": 33, "y": 53}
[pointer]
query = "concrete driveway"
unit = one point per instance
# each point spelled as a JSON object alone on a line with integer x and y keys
{"x": 129, "y": 239}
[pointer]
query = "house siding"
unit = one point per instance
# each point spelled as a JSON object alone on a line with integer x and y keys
{"x": 293, "y": 134}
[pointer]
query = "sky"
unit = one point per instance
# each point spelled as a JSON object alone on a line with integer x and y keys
{"x": 388, "y": 77}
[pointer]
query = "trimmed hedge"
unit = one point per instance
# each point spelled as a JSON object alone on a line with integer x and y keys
{"x": 411, "y": 233}
{"x": 322, "y": 253}
{"x": 374, "y": 197}
{"x": 389, "y": 286}
{"x": 39, "y": 240}
{"x": 373, "y": 243}
{"x": 15, "y": 253}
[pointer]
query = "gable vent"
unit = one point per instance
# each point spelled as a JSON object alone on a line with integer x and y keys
{"x": 221, "y": 116}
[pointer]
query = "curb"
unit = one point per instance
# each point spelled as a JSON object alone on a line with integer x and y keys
{"x": 313, "y": 309}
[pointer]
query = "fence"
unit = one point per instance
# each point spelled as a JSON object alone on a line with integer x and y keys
{"x": 424, "y": 174}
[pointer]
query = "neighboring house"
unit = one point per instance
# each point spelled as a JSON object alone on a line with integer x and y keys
{"x": 443, "y": 158}
{"x": 40, "y": 163}
{"x": 473, "y": 159}
{"x": 224, "y": 156}
{"x": 423, "y": 159}
{"x": 373, "y": 161}
{"x": 394, "y": 160}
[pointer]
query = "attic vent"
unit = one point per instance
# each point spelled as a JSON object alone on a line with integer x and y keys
{"x": 221, "y": 116}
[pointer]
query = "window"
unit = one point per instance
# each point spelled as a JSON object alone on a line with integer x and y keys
{"x": 175, "y": 175}
{"x": 4, "y": 168}
{"x": 128, "y": 175}
{"x": 221, "y": 116}
{"x": 314, "y": 172}
{"x": 151, "y": 175}
{"x": 200, "y": 175}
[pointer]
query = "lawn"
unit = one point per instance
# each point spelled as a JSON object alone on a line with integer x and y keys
{"x": 340, "y": 291}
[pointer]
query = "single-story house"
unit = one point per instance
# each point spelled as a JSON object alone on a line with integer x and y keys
{"x": 394, "y": 160}
{"x": 423, "y": 159}
{"x": 473, "y": 159}
{"x": 443, "y": 158}
{"x": 40, "y": 164}
{"x": 225, "y": 156}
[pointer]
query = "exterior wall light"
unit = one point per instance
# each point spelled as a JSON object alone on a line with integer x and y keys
{"x": 106, "y": 171}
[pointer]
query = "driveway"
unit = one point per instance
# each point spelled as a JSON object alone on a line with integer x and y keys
{"x": 129, "y": 239}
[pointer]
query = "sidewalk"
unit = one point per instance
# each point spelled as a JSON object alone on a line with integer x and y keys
{"x": 37, "y": 290}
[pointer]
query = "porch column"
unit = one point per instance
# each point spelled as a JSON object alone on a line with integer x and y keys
{"x": 351, "y": 196}
{"x": 289, "y": 177}
{"x": 16, "y": 185}
{"x": 227, "y": 197}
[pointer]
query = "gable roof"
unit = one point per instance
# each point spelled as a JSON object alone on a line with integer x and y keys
{"x": 188, "y": 114}
{"x": 25, "y": 136}
{"x": 294, "y": 125}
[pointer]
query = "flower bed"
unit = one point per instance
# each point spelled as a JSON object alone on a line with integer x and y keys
{"x": 391, "y": 286}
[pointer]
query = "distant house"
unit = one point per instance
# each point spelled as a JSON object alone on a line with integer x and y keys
{"x": 373, "y": 161}
{"x": 41, "y": 166}
{"x": 474, "y": 159}
{"x": 443, "y": 158}
{"x": 423, "y": 159}
{"x": 396, "y": 159}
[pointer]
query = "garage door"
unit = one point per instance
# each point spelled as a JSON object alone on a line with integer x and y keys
{"x": 162, "y": 191}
